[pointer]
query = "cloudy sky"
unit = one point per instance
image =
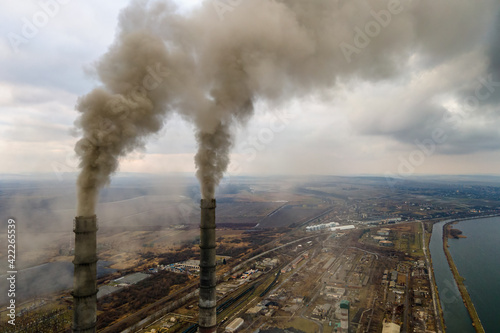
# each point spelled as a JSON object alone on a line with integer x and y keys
{"x": 436, "y": 110}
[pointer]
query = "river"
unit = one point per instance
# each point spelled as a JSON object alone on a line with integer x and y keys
{"x": 476, "y": 258}
{"x": 456, "y": 317}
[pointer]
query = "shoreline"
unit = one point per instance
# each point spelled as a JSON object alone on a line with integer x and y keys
{"x": 459, "y": 280}
{"x": 431, "y": 266}
{"x": 438, "y": 310}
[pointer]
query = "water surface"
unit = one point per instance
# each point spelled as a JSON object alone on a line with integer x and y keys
{"x": 455, "y": 314}
{"x": 477, "y": 258}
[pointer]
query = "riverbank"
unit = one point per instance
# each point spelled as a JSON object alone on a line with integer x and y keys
{"x": 438, "y": 310}
{"x": 476, "y": 322}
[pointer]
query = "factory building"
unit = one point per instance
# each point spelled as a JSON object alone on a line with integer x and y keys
{"x": 295, "y": 262}
{"x": 189, "y": 264}
{"x": 343, "y": 227}
{"x": 268, "y": 262}
{"x": 383, "y": 232}
{"x": 234, "y": 325}
{"x": 391, "y": 328}
{"x": 386, "y": 243}
{"x": 322, "y": 226}
{"x": 344, "y": 316}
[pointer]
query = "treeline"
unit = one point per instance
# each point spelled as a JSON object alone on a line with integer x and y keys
{"x": 40, "y": 321}
{"x": 183, "y": 254}
{"x": 455, "y": 233}
{"x": 135, "y": 297}
{"x": 252, "y": 240}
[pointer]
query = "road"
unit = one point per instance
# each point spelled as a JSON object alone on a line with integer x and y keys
{"x": 431, "y": 280}
{"x": 320, "y": 325}
{"x": 357, "y": 248}
{"x": 235, "y": 268}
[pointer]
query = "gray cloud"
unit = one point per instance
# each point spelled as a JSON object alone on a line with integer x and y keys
{"x": 284, "y": 49}
{"x": 494, "y": 49}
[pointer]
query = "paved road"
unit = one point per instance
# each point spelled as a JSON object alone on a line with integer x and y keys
{"x": 375, "y": 254}
{"x": 433, "y": 284}
{"x": 320, "y": 325}
{"x": 235, "y": 268}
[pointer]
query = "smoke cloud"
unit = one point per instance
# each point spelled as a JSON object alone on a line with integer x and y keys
{"x": 117, "y": 118}
{"x": 212, "y": 64}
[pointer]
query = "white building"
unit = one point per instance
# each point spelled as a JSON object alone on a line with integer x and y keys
{"x": 391, "y": 328}
{"x": 343, "y": 227}
{"x": 234, "y": 325}
{"x": 189, "y": 264}
{"x": 322, "y": 226}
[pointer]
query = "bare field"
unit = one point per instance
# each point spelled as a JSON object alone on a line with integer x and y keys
{"x": 250, "y": 212}
{"x": 123, "y": 249}
{"x": 288, "y": 215}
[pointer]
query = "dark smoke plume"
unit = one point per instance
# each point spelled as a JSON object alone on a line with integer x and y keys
{"x": 212, "y": 64}
{"x": 118, "y": 117}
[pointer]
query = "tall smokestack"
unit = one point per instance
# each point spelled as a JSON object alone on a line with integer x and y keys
{"x": 207, "y": 318}
{"x": 85, "y": 277}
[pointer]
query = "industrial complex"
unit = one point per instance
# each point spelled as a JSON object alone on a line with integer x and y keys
{"x": 299, "y": 261}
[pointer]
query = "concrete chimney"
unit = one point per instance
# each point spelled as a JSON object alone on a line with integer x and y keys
{"x": 85, "y": 277}
{"x": 207, "y": 320}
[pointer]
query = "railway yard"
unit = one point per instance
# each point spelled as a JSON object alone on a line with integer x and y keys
{"x": 302, "y": 286}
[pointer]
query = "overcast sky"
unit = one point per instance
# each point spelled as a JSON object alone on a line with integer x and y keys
{"x": 439, "y": 115}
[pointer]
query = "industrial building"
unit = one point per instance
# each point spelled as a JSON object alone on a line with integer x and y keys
{"x": 331, "y": 292}
{"x": 294, "y": 263}
{"x": 391, "y": 328}
{"x": 189, "y": 264}
{"x": 344, "y": 316}
{"x": 384, "y": 232}
{"x": 321, "y": 311}
{"x": 234, "y": 325}
{"x": 322, "y": 226}
{"x": 343, "y": 227}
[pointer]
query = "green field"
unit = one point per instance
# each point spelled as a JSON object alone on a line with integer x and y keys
{"x": 304, "y": 325}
